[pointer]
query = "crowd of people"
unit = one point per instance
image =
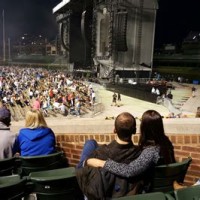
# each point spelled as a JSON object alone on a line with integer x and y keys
{"x": 45, "y": 90}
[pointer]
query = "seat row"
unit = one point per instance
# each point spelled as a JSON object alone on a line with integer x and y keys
{"x": 50, "y": 176}
{"x": 189, "y": 193}
{"x": 25, "y": 165}
{"x": 61, "y": 184}
{"x": 44, "y": 185}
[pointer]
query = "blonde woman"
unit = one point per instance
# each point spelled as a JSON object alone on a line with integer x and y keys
{"x": 36, "y": 138}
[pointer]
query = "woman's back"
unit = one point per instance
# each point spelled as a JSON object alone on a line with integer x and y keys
{"x": 34, "y": 142}
{"x": 152, "y": 133}
{"x": 36, "y": 139}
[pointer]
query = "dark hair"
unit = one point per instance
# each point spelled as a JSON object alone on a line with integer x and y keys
{"x": 152, "y": 133}
{"x": 6, "y": 121}
{"x": 125, "y": 126}
{"x": 5, "y": 115}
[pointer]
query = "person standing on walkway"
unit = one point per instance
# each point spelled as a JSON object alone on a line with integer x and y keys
{"x": 119, "y": 99}
{"x": 114, "y": 99}
{"x": 198, "y": 113}
{"x": 193, "y": 91}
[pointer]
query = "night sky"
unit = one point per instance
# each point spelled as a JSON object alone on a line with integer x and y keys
{"x": 29, "y": 16}
{"x": 175, "y": 19}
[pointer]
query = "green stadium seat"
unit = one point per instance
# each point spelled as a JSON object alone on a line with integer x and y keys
{"x": 29, "y": 164}
{"x": 147, "y": 196}
{"x": 7, "y": 166}
{"x": 58, "y": 184}
{"x": 165, "y": 175}
{"x": 189, "y": 193}
{"x": 12, "y": 187}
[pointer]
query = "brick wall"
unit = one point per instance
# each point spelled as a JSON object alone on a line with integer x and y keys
{"x": 185, "y": 145}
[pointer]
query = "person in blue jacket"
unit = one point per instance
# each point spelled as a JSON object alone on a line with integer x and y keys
{"x": 36, "y": 138}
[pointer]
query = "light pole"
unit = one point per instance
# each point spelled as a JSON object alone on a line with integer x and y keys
{"x": 9, "y": 53}
{"x": 4, "y": 43}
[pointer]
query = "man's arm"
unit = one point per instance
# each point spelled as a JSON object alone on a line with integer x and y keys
{"x": 148, "y": 157}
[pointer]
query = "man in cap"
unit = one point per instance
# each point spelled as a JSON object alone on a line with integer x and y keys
{"x": 7, "y": 138}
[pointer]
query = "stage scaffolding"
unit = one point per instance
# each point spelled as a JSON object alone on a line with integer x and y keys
{"x": 108, "y": 35}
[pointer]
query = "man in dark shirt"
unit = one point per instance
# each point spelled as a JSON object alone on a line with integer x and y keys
{"x": 114, "y": 100}
{"x": 123, "y": 150}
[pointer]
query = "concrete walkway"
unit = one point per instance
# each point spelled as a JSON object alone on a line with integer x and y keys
{"x": 183, "y": 100}
{"x": 193, "y": 102}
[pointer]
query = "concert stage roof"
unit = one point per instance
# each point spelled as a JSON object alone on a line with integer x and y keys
{"x": 60, "y": 5}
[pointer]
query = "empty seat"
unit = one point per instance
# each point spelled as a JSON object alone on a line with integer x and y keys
{"x": 12, "y": 187}
{"x": 189, "y": 193}
{"x": 7, "y": 166}
{"x": 148, "y": 196}
{"x": 29, "y": 164}
{"x": 165, "y": 175}
{"x": 58, "y": 184}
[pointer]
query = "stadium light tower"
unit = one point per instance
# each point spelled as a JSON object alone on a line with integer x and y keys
{"x": 4, "y": 43}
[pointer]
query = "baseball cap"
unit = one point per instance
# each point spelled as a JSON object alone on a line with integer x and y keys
{"x": 4, "y": 113}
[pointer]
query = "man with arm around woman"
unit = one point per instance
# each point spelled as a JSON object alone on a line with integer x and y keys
{"x": 156, "y": 149}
